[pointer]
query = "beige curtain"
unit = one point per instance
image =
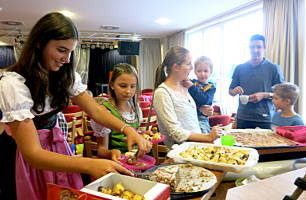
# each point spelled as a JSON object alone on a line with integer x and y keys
{"x": 176, "y": 39}
{"x": 82, "y": 57}
{"x": 149, "y": 59}
{"x": 284, "y": 23}
{"x": 17, "y": 51}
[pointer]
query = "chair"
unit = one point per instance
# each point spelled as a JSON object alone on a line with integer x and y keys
{"x": 217, "y": 110}
{"x": 148, "y": 94}
{"x": 91, "y": 149}
{"x": 160, "y": 153}
{"x": 144, "y": 104}
{"x": 146, "y": 90}
{"x": 79, "y": 115}
{"x": 145, "y": 122}
{"x": 70, "y": 119}
{"x": 223, "y": 120}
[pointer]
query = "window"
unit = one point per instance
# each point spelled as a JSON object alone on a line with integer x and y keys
{"x": 226, "y": 43}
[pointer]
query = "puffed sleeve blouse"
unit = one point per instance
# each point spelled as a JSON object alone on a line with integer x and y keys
{"x": 16, "y": 102}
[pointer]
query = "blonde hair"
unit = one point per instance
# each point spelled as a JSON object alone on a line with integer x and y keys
{"x": 287, "y": 91}
{"x": 205, "y": 60}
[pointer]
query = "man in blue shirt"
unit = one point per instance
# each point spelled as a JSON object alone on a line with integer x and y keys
{"x": 255, "y": 78}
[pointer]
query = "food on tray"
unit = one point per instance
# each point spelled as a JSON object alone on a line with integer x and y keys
{"x": 260, "y": 139}
{"x": 141, "y": 164}
{"x": 168, "y": 175}
{"x": 131, "y": 156}
{"x": 184, "y": 177}
{"x": 218, "y": 154}
{"x": 119, "y": 191}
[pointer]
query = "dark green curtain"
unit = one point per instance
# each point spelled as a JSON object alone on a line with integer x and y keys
{"x": 101, "y": 62}
{"x": 7, "y": 57}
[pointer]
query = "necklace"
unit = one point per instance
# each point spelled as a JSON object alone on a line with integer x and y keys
{"x": 127, "y": 121}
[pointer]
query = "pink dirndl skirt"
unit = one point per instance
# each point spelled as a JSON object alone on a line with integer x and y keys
{"x": 31, "y": 183}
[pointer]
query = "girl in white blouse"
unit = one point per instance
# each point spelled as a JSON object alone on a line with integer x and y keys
{"x": 175, "y": 108}
{"x": 32, "y": 92}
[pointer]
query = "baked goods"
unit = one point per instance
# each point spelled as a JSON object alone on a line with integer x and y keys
{"x": 184, "y": 177}
{"x": 131, "y": 156}
{"x": 219, "y": 154}
{"x": 119, "y": 191}
{"x": 260, "y": 139}
{"x": 168, "y": 175}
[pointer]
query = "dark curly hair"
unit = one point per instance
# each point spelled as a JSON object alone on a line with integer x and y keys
{"x": 40, "y": 81}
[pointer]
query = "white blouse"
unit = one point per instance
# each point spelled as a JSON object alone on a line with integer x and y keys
{"x": 101, "y": 131}
{"x": 16, "y": 102}
{"x": 176, "y": 115}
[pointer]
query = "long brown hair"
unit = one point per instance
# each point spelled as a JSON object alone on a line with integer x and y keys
{"x": 53, "y": 26}
{"x": 176, "y": 55}
{"x": 124, "y": 68}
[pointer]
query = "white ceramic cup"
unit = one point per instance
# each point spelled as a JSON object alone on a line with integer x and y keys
{"x": 244, "y": 99}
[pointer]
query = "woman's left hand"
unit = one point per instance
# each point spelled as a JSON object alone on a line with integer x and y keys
{"x": 144, "y": 146}
{"x": 215, "y": 133}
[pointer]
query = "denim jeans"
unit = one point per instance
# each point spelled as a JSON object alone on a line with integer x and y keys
{"x": 204, "y": 124}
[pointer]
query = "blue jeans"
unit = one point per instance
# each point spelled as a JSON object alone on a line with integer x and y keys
{"x": 204, "y": 124}
{"x": 242, "y": 124}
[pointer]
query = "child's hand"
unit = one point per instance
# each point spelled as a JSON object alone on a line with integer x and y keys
{"x": 115, "y": 155}
{"x": 187, "y": 83}
{"x": 101, "y": 167}
{"x": 144, "y": 146}
{"x": 207, "y": 110}
{"x": 215, "y": 133}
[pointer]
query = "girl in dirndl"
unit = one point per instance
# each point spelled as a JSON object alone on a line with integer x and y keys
{"x": 33, "y": 91}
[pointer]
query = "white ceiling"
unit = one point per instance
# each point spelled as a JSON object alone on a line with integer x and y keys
{"x": 135, "y": 16}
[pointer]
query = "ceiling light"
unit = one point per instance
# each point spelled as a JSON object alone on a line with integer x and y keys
{"x": 3, "y": 43}
{"x": 67, "y": 13}
{"x": 102, "y": 46}
{"x": 92, "y": 46}
{"x": 1, "y": 9}
{"x": 163, "y": 21}
{"x": 111, "y": 47}
{"x": 83, "y": 46}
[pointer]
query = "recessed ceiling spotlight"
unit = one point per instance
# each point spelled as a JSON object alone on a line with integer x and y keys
{"x": 67, "y": 13}
{"x": 1, "y": 9}
{"x": 109, "y": 27}
{"x": 11, "y": 23}
{"x": 163, "y": 21}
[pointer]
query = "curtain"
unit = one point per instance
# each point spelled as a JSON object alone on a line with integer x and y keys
{"x": 17, "y": 51}
{"x": 101, "y": 63}
{"x": 149, "y": 59}
{"x": 7, "y": 57}
{"x": 82, "y": 57}
{"x": 285, "y": 34}
{"x": 176, "y": 39}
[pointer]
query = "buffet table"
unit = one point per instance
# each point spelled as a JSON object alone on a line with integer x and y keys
{"x": 221, "y": 188}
